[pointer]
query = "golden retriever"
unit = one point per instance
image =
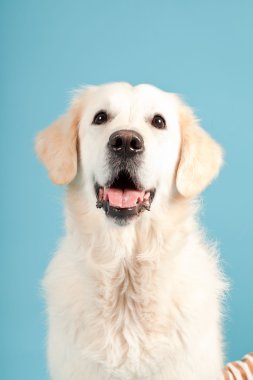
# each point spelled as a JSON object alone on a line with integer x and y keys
{"x": 134, "y": 291}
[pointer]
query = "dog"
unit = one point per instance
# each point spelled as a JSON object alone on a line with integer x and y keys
{"x": 134, "y": 290}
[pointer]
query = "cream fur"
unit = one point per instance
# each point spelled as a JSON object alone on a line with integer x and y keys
{"x": 141, "y": 301}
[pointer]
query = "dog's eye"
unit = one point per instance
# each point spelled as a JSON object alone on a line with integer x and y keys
{"x": 100, "y": 118}
{"x": 158, "y": 122}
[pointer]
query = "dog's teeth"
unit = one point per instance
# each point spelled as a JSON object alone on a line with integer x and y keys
{"x": 101, "y": 194}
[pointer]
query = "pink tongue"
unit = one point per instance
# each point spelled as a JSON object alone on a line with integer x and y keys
{"x": 123, "y": 198}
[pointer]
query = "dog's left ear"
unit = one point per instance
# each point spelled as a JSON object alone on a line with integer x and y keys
{"x": 56, "y": 146}
{"x": 200, "y": 158}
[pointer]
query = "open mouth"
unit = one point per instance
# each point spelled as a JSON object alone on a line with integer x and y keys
{"x": 123, "y": 198}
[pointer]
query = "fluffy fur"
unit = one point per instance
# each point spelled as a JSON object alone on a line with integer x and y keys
{"x": 143, "y": 300}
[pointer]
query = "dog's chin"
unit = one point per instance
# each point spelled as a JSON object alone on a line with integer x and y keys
{"x": 123, "y": 199}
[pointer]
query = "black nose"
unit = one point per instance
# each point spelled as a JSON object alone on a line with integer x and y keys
{"x": 126, "y": 143}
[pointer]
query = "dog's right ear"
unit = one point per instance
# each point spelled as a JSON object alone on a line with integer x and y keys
{"x": 56, "y": 146}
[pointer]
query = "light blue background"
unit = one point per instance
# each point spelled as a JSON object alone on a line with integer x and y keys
{"x": 201, "y": 49}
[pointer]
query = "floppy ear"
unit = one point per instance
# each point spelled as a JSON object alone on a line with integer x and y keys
{"x": 200, "y": 159}
{"x": 56, "y": 146}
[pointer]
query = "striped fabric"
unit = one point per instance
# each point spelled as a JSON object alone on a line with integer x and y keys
{"x": 241, "y": 369}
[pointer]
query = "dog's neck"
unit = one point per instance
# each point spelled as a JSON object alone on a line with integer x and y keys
{"x": 140, "y": 240}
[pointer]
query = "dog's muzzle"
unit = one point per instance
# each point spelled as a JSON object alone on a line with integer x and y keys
{"x": 123, "y": 197}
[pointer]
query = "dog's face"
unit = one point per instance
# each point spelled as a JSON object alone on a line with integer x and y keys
{"x": 129, "y": 143}
{"x": 134, "y": 149}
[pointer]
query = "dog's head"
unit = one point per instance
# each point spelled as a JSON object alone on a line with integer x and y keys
{"x": 132, "y": 148}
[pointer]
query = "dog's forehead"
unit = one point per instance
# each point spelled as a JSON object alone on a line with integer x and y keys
{"x": 124, "y": 95}
{"x": 152, "y": 98}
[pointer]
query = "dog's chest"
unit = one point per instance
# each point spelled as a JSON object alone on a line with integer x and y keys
{"x": 131, "y": 319}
